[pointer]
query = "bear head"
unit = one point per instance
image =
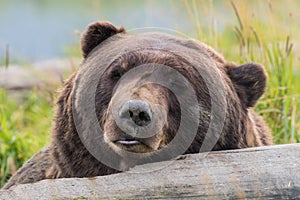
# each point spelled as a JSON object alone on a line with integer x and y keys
{"x": 151, "y": 96}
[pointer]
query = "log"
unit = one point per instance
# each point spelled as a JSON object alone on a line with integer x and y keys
{"x": 270, "y": 172}
{"x": 40, "y": 74}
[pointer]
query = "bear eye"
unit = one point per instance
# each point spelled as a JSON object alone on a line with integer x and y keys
{"x": 115, "y": 75}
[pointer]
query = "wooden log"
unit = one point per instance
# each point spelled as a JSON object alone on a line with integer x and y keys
{"x": 271, "y": 172}
{"x": 40, "y": 74}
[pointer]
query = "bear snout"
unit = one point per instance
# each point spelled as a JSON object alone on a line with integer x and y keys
{"x": 137, "y": 111}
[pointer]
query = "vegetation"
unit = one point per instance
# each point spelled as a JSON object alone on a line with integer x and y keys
{"x": 262, "y": 35}
{"x": 24, "y": 129}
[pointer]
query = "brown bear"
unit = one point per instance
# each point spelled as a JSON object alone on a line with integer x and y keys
{"x": 147, "y": 97}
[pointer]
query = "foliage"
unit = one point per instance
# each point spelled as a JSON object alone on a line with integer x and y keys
{"x": 262, "y": 36}
{"x": 24, "y": 129}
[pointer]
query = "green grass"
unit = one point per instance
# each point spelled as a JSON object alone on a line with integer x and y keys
{"x": 24, "y": 129}
{"x": 262, "y": 32}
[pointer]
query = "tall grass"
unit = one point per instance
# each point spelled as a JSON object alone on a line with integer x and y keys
{"x": 24, "y": 129}
{"x": 260, "y": 36}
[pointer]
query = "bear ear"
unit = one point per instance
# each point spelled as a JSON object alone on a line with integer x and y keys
{"x": 96, "y": 33}
{"x": 249, "y": 81}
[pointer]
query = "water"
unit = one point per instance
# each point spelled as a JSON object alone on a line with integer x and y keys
{"x": 42, "y": 29}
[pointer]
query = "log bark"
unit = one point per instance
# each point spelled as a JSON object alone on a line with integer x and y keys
{"x": 270, "y": 172}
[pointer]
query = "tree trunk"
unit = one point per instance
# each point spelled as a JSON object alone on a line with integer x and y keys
{"x": 270, "y": 172}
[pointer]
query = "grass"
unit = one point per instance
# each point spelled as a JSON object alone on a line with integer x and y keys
{"x": 24, "y": 129}
{"x": 260, "y": 32}
{"x": 264, "y": 35}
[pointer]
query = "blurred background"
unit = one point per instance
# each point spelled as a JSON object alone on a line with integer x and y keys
{"x": 39, "y": 49}
{"x": 50, "y": 27}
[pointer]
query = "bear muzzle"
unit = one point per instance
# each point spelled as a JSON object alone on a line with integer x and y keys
{"x": 138, "y": 126}
{"x": 135, "y": 113}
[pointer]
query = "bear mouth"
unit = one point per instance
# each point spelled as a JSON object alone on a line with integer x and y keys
{"x": 132, "y": 145}
{"x": 128, "y": 142}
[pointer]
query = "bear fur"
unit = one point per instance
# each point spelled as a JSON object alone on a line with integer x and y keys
{"x": 66, "y": 156}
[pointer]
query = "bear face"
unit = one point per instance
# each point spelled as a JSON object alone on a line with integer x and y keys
{"x": 137, "y": 115}
{"x": 151, "y": 108}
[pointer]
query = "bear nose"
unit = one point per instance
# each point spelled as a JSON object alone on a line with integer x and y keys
{"x": 138, "y": 111}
